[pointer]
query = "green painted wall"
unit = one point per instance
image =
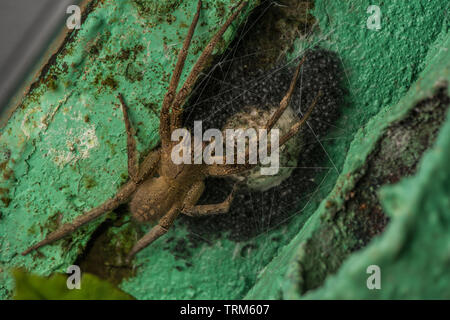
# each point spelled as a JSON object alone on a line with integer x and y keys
{"x": 63, "y": 150}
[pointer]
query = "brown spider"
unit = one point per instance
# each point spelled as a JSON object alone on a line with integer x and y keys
{"x": 158, "y": 188}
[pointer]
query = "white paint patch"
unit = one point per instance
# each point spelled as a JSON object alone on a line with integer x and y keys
{"x": 26, "y": 125}
{"x": 72, "y": 144}
{"x": 79, "y": 143}
{"x": 88, "y": 141}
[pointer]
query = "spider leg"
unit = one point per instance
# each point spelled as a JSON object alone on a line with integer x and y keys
{"x": 221, "y": 170}
{"x": 121, "y": 197}
{"x": 149, "y": 164}
{"x": 193, "y": 210}
{"x": 286, "y": 99}
{"x": 198, "y": 67}
{"x": 164, "y": 129}
{"x": 131, "y": 143}
{"x": 296, "y": 127}
{"x": 137, "y": 172}
{"x": 157, "y": 231}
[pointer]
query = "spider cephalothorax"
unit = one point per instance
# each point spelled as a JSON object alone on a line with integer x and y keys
{"x": 158, "y": 189}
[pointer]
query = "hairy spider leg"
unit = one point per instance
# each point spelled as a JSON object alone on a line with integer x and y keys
{"x": 192, "y": 210}
{"x": 176, "y": 117}
{"x": 133, "y": 157}
{"x": 121, "y": 197}
{"x": 157, "y": 231}
{"x": 286, "y": 99}
{"x": 136, "y": 171}
{"x": 296, "y": 127}
{"x": 164, "y": 127}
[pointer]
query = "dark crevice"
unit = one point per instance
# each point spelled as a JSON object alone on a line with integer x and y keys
{"x": 349, "y": 228}
{"x": 108, "y": 246}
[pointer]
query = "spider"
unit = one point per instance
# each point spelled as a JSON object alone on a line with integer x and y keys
{"x": 158, "y": 189}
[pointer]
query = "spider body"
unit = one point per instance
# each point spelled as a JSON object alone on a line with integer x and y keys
{"x": 156, "y": 196}
{"x": 158, "y": 189}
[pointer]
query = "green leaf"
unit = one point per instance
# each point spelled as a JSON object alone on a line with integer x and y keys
{"x": 34, "y": 287}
